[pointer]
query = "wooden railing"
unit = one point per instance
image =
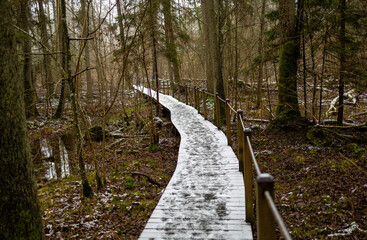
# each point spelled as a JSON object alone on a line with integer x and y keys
{"x": 266, "y": 211}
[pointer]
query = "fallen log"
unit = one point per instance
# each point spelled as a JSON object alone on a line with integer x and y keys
{"x": 151, "y": 180}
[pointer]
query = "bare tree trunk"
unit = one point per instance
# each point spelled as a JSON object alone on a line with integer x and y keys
{"x": 87, "y": 190}
{"x": 171, "y": 51}
{"x": 29, "y": 90}
{"x": 205, "y": 6}
{"x": 261, "y": 55}
{"x": 85, "y": 18}
{"x": 304, "y": 73}
{"x": 46, "y": 46}
{"x": 214, "y": 22}
{"x": 322, "y": 74}
{"x": 218, "y": 55}
{"x": 61, "y": 47}
{"x": 235, "y": 78}
{"x": 153, "y": 22}
{"x": 314, "y": 78}
{"x": 342, "y": 68}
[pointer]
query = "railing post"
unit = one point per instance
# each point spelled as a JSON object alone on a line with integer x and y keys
{"x": 198, "y": 96}
{"x": 194, "y": 93}
{"x": 248, "y": 176}
{"x": 240, "y": 139}
{"x": 217, "y": 110}
{"x": 204, "y": 105}
{"x": 228, "y": 122}
{"x": 193, "y": 97}
{"x": 179, "y": 92}
{"x": 265, "y": 219}
{"x": 186, "y": 95}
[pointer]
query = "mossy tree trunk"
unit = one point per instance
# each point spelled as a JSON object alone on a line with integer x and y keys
{"x": 288, "y": 109}
{"x": 20, "y": 216}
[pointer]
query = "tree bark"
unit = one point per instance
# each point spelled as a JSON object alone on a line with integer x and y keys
{"x": 85, "y": 17}
{"x": 61, "y": 20}
{"x": 20, "y": 214}
{"x": 210, "y": 80}
{"x": 153, "y": 22}
{"x": 214, "y": 27}
{"x": 342, "y": 67}
{"x": 86, "y": 189}
{"x": 29, "y": 91}
{"x": 171, "y": 51}
{"x": 218, "y": 56}
{"x": 46, "y": 58}
{"x": 288, "y": 109}
{"x": 261, "y": 56}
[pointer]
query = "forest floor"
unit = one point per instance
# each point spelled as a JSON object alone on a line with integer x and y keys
{"x": 320, "y": 189}
{"x": 320, "y": 178}
{"x": 136, "y": 175}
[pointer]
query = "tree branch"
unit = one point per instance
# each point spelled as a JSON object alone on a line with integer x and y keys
{"x": 78, "y": 73}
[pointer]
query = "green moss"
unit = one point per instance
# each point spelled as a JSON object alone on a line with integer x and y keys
{"x": 318, "y": 137}
{"x": 151, "y": 163}
{"x": 155, "y": 148}
{"x": 129, "y": 182}
{"x": 299, "y": 159}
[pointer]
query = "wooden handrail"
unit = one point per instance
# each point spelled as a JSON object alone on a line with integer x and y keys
{"x": 266, "y": 210}
{"x": 278, "y": 218}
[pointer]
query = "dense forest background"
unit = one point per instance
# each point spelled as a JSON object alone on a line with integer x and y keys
{"x": 73, "y": 65}
{"x": 234, "y": 48}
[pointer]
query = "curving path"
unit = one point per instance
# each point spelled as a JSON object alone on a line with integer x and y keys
{"x": 205, "y": 196}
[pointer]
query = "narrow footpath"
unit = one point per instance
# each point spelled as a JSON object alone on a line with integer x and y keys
{"x": 205, "y": 196}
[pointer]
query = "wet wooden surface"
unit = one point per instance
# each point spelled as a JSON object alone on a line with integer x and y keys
{"x": 205, "y": 197}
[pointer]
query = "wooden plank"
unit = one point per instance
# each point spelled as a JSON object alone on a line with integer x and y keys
{"x": 205, "y": 197}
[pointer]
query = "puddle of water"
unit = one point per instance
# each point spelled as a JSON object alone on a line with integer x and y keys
{"x": 53, "y": 157}
{"x": 56, "y": 158}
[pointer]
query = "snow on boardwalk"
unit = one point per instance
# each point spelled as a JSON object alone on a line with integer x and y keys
{"x": 205, "y": 196}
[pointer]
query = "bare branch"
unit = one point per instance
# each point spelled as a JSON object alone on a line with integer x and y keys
{"x": 87, "y": 69}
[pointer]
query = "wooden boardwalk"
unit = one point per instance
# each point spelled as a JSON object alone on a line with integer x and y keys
{"x": 205, "y": 197}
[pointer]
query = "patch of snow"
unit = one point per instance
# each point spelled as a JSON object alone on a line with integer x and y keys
{"x": 348, "y": 231}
